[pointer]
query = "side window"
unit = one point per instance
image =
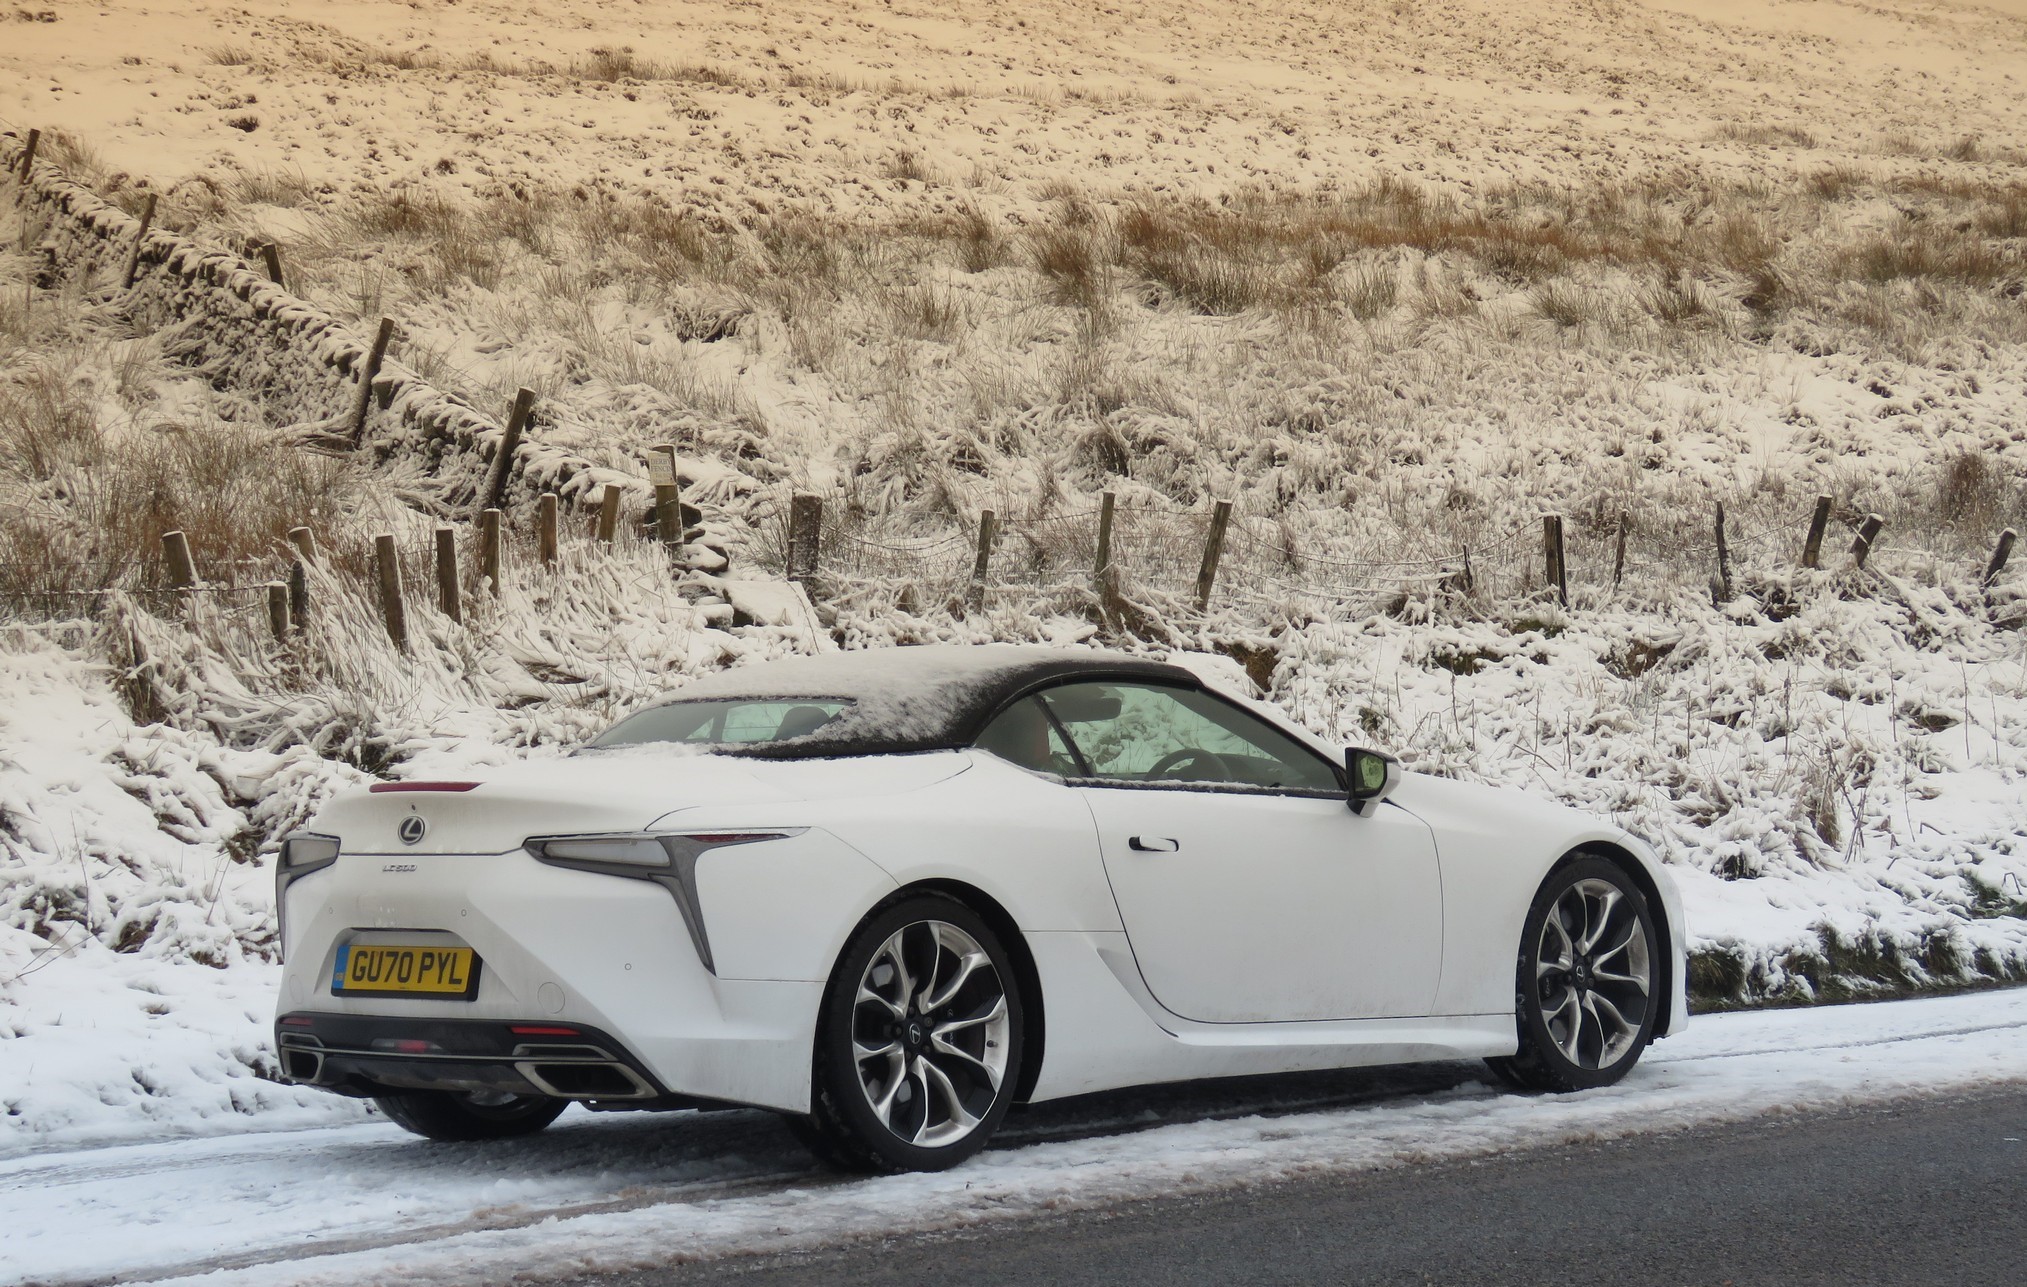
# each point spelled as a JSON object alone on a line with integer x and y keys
{"x": 1148, "y": 735}
{"x": 1022, "y": 734}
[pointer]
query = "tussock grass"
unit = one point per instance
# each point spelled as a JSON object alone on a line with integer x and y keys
{"x": 93, "y": 475}
{"x": 1924, "y": 250}
{"x": 1763, "y": 134}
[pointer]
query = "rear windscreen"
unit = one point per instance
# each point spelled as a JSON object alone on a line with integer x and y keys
{"x": 735, "y": 721}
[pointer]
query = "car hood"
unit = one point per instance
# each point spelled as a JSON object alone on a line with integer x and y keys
{"x": 629, "y": 789}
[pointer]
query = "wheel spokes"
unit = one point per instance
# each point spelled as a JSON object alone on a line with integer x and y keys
{"x": 1615, "y": 1034}
{"x": 1592, "y": 973}
{"x": 1594, "y": 926}
{"x": 931, "y": 1082}
{"x": 968, "y": 964}
{"x": 992, "y": 1014}
{"x": 1564, "y": 949}
{"x": 958, "y": 1120}
{"x": 1571, "y": 1014}
{"x": 897, "y": 1075}
{"x": 939, "y": 1048}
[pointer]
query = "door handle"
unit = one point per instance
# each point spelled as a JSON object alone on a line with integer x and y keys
{"x": 1152, "y": 844}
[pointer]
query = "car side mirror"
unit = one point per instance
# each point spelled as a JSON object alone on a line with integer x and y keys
{"x": 1372, "y": 777}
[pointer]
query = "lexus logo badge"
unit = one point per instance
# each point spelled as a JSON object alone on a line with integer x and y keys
{"x": 413, "y": 828}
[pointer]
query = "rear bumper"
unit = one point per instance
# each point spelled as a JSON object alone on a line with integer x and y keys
{"x": 365, "y": 1055}
{"x": 594, "y": 953}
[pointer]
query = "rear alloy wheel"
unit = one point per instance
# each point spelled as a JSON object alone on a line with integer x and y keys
{"x": 918, "y": 1044}
{"x": 1587, "y": 981}
{"x": 474, "y": 1115}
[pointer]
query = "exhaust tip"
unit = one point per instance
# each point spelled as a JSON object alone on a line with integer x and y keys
{"x": 302, "y": 1065}
{"x": 586, "y": 1081}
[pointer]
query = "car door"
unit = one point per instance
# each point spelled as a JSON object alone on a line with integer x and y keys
{"x": 1249, "y": 890}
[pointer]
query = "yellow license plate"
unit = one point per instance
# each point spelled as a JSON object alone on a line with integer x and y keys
{"x": 389, "y": 970}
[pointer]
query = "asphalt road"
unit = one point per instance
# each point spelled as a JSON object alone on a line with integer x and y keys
{"x": 1914, "y": 1193}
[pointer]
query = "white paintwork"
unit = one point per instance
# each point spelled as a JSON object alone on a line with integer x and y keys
{"x": 1283, "y": 934}
{"x": 1273, "y": 908}
{"x": 1497, "y": 846}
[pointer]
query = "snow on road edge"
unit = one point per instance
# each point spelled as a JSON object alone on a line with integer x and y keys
{"x": 1726, "y": 1069}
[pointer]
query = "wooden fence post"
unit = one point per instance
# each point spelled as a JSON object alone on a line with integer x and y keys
{"x": 988, "y": 529}
{"x": 805, "y": 536}
{"x": 140, "y": 240}
{"x": 503, "y": 459}
{"x": 305, "y": 542}
{"x": 2000, "y": 553}
{"x": 608, "y": 514}
{"x": 362, "y": 402}
{"x": 489, "y": 549}
{"x": 1723, "y": 585}
{"x": 182, "y": 568}
{"x": 1868, "y": 531}
{"x": 545, "y": 528}
{"x": 388, "y": 563}
{"x": 278, "y": 609}
{"x": 1812, "y": 548}
{"x": 1214, "y": 548}
{"x": 1553, "y": 570}
{"x": 1619, "y": 554}
{"x": 271, "y": 259}
{"x": 299, "y": 594}
{"x": 28, "y": 154}
{"x": 1102, "y": 565}
{"x": 446, "y": 574}
{"x": 668, "y": 494}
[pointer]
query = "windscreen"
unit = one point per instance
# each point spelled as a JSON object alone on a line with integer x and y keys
{"x": 725, "y": 722}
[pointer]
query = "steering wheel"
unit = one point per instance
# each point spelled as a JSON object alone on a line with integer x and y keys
{"x": 1189, "y": 755}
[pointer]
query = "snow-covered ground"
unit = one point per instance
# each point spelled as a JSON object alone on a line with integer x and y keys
{"x": 368, "y": 1204}
{"x": 831, "y": 106}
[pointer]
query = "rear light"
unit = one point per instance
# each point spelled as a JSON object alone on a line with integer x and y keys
{"x": 668, "y": 859}
{"x": 300, "y": 855}
{"x": 384, "y": 788}
{"x": 735, "y": 837}
{"x": 541, "y": 1030}
{"x": 305, "y": 852}
{"x": 634, "y": 851}
{"x": 296, "y": 1021}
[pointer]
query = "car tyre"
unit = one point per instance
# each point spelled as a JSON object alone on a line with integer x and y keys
{"x": 918, "y": 1042}
{"x": 451, "y": 1115}
{"x": 1587, "y": 980}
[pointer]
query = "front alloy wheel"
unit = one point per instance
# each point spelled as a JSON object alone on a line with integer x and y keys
{"x": 1587, "y": 980}
{"x": 919, "y": 1044}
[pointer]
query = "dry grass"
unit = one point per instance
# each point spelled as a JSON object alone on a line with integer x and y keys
{"x": 1564, "y": 303}
{"x": 1761, "y": 134}
{"x": 1768, "y": 250}
{"x": 91, "y": 498}
{"x": 1924, "y": 250}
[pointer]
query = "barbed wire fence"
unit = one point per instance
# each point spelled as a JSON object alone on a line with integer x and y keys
{"x": 1296, "y": 563}
{"x": 1123, "y": 558}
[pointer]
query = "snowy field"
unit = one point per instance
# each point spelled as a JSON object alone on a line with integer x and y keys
{"x": 367, "y": 1204}
{"x": 1395, "y": 278}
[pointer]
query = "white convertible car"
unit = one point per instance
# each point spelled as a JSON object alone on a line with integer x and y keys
{"x": 891, "y": 893}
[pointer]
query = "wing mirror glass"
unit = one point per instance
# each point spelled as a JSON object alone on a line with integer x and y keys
{"x": 1372, "y": 777}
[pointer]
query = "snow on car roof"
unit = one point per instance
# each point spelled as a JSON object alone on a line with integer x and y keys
{"x": 921, "y": 698}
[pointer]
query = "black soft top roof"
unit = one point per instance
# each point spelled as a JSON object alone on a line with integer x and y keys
{"x": 925, "y": 698}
